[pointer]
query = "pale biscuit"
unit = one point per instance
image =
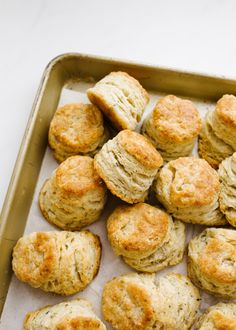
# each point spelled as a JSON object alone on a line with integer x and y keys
{"x": 139, "y": 301}
{"x": 221, "y": 316}
{"x": 128, "y": 165}
{"x": 75, "y": 314}
{"x": 170, "y": 253}
{"x": 178, "y": 302}
{"x": 173, "y": 127}
{"x": 77, "y": 129}
{"x": 189, "y": 189}
{"x": 74, "y": 196}
{"x": 227, "y": 174}
{"x": 146, "y": 237}
{"x": 129, "y": 302}
{"x": 217, "y": 140}
{"x": 212, "y": 260}
{"x": 121, "y": 98}
{"x": 61, "y": 262}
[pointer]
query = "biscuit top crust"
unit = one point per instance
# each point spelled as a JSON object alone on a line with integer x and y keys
{"x": 141, "y": 148}
{"x": 226, "y": 110}
{"x": 217, "y": 260}
{"x": 222, "y": 322}
{"x": 176, "y": 119}
{"x": 77, "y": 175}
{"x": 139, "y": 227}
{"x": 127, "y": 304}
{"x": 77, "y": 125}
{"x": 35, "y": 257}
{"x": 193, "y": 182}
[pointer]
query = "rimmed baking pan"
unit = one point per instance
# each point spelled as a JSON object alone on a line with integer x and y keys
{"x": 64, "y": 68}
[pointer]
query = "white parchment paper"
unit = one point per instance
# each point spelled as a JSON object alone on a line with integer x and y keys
{"x": 21, "y": 297}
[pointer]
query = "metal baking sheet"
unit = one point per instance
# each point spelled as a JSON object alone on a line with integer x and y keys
{"x": 65, "y": 80}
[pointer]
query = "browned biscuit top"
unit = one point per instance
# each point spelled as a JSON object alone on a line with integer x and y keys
{"x": 141, "y": 148}
{"x": 176, "y": 119}
{"x": 226, "y": 110}
{"x": 140, "y": 227}
{"x": 77, "y": 175}
{"x": 193, "y": 181}
{"x": 222, "y": 322}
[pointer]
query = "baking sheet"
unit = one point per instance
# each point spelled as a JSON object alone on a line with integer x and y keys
{"x": 21, "y": 297}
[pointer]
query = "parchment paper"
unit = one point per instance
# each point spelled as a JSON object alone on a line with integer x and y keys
{"x": 21, "y": 297}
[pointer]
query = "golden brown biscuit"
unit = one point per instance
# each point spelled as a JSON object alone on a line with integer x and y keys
{"x": 217, "y": 139}
{"x": 121, "y": 98}
{"x": 74, "y": 196}
{"x": 128, "y": 165}
{"x": 227, "y": 174}
{"x": 61, "y": 262}
{"x": 189, "y": 189}
{"x": 77, "y": 129}
{"x": 146, "y": 237}
{"x": 75, "y": 314}
{"x": 212, "y": 260}
{"x": 221, "y": 316}
{"x": 139, "y": 301}
{"x": 173, "y": 127}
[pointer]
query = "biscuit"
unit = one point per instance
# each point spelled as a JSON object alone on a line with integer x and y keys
{"x": 74, "y": 196}
{"x": 212, "y": 260}
{"x": 221, "y": 316}
{"x": 121, "y": 98}
{"x": 217, "y": 139}
{"x": 128, "y": 165}
{"x": 60, "y": 262}
{"x": 178, "y": 302}
{"x": 139, "y": 301}
{"x": 173, "y": 127}
{"x": 77, "y": 129}
{"x": 75, "y": 314}
{"x": 129, "y": 302}
{"x": 189, "y": 189}
{"x": 146, "y": 237}
{"x": 227, "y": 174}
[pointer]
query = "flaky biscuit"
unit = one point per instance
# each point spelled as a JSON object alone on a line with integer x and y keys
{"x": 212, "y": 260}
{"x": 138, "y": 230}
{"x": 221, "y": 316}
{"x": 77, "y": 129}
{"x": 75, "y": 314}
{"x": 212, "y": 148}
{"x": 74, "y": 196}
{"x": 121, "y": 98}
{"x": 178, "y": 302}
{"x": 227, "y": 174}
{"x": 129, "y": 302}
{"x": 189, "y": 189}
{"x": 173, "y": 127}
{"x": 128, "y": 165}
{"x": 61, "y": 262}
{"x": 170, "y": 253}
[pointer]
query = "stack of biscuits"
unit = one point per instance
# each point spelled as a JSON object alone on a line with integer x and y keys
{"x": 149, "y": 235}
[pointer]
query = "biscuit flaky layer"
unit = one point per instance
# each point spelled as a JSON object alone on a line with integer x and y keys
{"x": 227, "y": 174}
{"x": 74, "y": 196}
{"x": 139, "y": 301}
{"x": 77, "y": 129}
{"x": 221, "y": 316}
{"x": 61, "y": 262}
{"x": 75, "y": 314}
{"x": 146, "y": 237}
{"x": 173, "y": 127}
{"x": 212, "y": 260}
{"x": 128, "y": 165}
{"x": 121, "y": 98}
{"x": 189, "y": 189}
{"x": 218, "y": 136}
